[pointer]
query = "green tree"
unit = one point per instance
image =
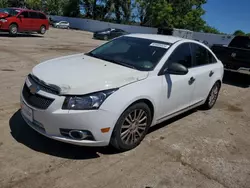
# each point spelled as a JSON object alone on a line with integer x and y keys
{"x": 54, "y": 7}
{"x": 184, "y": 14}
{"x": 239, "y": 33}
{"x": 33, "y": 4}
{"x": 16, "y": 3}
{"x": 209, "y": 29}
{"x": 71, "y": 8}
{"x": 4, "y": 3}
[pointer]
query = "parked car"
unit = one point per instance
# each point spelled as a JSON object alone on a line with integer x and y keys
{"x": 109, "y": 33}
{"x": 16, "y": 20}
{"x": 62, "y": 24}
{"x": 236, "y": 56}
{"x": 114, "y": 93}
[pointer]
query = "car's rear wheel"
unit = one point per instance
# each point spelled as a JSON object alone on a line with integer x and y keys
{"x": 42, "y": 30}
{"x": 212, "y": 97}
{"x": 13, "y": 29}
{"x": 131, "y": 127}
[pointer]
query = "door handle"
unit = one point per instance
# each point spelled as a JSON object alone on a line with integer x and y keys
{"x": 191, "y": 80}
{"x": 211, "y": 73}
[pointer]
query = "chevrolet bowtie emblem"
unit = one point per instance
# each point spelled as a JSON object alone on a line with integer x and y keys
{"x": 34, "y": 89}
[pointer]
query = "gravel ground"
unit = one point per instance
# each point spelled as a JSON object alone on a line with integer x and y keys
{"x": 197, "y": 149}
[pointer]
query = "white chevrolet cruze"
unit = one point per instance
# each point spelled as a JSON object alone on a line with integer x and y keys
{"x": 114, "y": 93}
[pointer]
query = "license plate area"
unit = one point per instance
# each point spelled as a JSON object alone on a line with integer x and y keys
{"x": 27, "y": 112}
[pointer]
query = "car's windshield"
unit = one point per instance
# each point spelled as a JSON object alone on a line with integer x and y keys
{"x": 10, "y": 11}
{"x": 138, "y": 53}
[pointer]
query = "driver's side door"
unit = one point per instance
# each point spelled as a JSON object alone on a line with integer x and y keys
{"x": 177, "y": 90}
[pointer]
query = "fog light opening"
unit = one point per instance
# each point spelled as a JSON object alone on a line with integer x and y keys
{"x": 78, "y": 135}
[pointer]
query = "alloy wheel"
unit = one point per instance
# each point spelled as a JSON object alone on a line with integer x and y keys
{"x": 213, "y": 95}
{"x": 134, "y": 126}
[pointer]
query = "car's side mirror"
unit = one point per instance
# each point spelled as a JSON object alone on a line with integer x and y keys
{"x": 175, "y": 68}
{"x": 21, "y": 16}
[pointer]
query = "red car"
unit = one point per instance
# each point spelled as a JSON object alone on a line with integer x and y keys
{"x": 16, "y": 20}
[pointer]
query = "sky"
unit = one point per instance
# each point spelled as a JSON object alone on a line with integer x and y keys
{"x": 228, "y": 15}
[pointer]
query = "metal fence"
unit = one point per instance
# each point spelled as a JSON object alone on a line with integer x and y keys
{"x": 95, "y": 25}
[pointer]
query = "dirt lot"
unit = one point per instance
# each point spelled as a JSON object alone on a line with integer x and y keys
{"x": 198, "y": 149}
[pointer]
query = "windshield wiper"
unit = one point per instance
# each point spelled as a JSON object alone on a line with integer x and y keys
{"x": 118, "y": 62}
{"x": 111, "y": 60}
{"x": 91, "y": 55}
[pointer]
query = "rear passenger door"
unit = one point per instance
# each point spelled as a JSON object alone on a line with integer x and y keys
{"x": 35, "y": 21}
{"x": 204, "y": 71}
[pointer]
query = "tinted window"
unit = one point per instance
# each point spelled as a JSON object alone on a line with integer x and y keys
{"x": 138, "y": 53}
{"x": 182, "y": 55}
{"x": 240, "y": 42}
{"x": 201, "y": 55}
{"x": 211, "y": 58}
{"x": 42, "y": 16}
{"x": 25, "y": 14}
{"x": 34, "y": 15}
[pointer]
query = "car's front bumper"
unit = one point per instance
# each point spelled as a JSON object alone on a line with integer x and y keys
{"x": 51, "y": 121}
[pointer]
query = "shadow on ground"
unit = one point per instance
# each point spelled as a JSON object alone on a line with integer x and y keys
{"x": 22, "y": 133}
{"x": 30, "y": 138}
{"x": 236, "y": 79}
{"x": 32, "y": 35}
{"x": 172, "y": 120}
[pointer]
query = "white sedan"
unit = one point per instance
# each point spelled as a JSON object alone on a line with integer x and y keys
{"x": 62, "y": 24}
{"x": 114, "y": 93}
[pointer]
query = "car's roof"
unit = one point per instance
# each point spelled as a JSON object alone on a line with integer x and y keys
{"x": 24, "y": 9}
{"x": 163, "y": 38}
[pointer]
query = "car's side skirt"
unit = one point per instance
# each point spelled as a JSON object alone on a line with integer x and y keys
{"x": 180, "y": 112}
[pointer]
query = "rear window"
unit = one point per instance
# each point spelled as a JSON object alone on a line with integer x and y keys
{"x": 240, "y": 42}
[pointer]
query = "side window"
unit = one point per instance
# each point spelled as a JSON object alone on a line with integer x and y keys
{"x": 211, "y": 58}
{"x": 42, "y": 16}
{"x": 200, "y": 55}
{"x": 25, "y": 14}
{"x": 34, "y": 15}
{"x": 182, "y": 55}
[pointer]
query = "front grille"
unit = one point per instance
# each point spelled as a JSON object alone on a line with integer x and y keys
{"x": 42, "y": 86}
{"x": 36, "y": 100}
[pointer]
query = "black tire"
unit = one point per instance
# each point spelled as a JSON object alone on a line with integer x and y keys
{"x": 42, "y": 30}
{"x": 211, "y": 100}
{"x": 13, "y": 29}
{"x": 116, "y": 139}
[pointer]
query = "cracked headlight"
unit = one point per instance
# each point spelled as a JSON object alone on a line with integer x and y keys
{"x": 86, "y": 102}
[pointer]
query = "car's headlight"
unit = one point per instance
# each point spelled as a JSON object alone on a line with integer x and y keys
{"x": 87, "y": 102}
{"x": 3, "y": 20}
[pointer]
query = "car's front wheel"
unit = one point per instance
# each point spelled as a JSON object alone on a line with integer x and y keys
{"x": 212, "y": 97}
{"x": 131, "y": 127}
{"x": 13, "y": 29}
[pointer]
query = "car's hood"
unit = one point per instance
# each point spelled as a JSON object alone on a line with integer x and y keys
{"x": 80, "y": 74}
{"x": 3, "y": 15}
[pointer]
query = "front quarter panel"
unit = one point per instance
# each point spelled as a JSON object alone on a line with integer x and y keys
{"x": 149, "y": 89}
